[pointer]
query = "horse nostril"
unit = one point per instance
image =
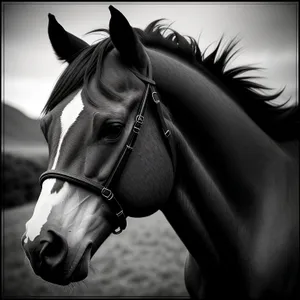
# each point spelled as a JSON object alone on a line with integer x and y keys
{"x": 54, "y": 250}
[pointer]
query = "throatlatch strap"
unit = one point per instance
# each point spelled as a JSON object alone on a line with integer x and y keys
{"x": 156, "y": 100}
{"x": 165, "y": 128}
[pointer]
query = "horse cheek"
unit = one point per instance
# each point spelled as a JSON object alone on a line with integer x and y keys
{"x": 147, "y": 180}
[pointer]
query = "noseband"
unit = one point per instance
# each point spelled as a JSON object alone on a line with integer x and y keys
{"x": 105, "y": 189}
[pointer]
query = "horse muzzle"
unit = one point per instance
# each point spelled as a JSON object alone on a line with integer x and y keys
{"x": 50, "y": 258}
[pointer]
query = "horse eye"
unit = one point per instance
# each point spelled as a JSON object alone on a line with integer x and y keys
{"x": 112, "y": 131}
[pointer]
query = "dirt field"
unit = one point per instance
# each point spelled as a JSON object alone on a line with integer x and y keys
{"x": 147, "y": 259}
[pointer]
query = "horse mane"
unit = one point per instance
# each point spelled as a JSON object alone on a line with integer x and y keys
{"x": 279, "y": 121}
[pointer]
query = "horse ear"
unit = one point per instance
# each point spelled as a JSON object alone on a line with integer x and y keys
{"x": 66, "y": 45}
{"x": 125, "y": 39}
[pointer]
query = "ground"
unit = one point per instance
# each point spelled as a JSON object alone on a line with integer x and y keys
{"x": 147, "y": 259}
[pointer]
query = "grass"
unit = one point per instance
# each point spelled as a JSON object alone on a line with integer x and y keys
{"x": 147, "y": 259}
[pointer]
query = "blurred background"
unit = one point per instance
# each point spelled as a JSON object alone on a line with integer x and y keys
{"x": 148, "y": 258}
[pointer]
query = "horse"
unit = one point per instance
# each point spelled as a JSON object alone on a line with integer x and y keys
{"x": 143, "y": 121}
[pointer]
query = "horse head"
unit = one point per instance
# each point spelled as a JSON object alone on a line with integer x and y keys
{"x": 92, "y": 183}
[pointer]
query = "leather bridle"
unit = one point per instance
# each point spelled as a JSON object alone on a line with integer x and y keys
{"x": 105, "y": 189}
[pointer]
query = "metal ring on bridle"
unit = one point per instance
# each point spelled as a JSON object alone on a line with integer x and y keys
{"x": 156, "y": 100}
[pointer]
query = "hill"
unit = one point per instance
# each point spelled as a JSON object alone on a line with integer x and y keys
{"x": 18, "y": 128}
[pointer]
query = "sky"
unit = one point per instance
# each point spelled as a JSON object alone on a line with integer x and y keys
{"x": 268, "y": 34}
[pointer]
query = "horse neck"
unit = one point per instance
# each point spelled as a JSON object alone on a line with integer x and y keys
{"x": 224, "y": 161}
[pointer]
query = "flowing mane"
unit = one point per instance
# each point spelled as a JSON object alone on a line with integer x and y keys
{"x": 280, "y": 121}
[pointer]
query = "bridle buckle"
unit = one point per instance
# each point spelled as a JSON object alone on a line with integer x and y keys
{"x": 107, "y": 193}
{"x": 139, "y": 119}
{"x": 155, "y": 97}
{"x": 167, "y": 133}
{"x": 138, "y": 123}
{"x": 120, "y": 213}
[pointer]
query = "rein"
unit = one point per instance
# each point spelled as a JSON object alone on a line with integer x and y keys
{"x": 105, "y": 189}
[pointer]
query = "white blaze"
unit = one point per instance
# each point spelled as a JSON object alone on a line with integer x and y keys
{"x": 47, "y": 200}
{"x": 44, "y": 206}
{"x": 67, "y": 119}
